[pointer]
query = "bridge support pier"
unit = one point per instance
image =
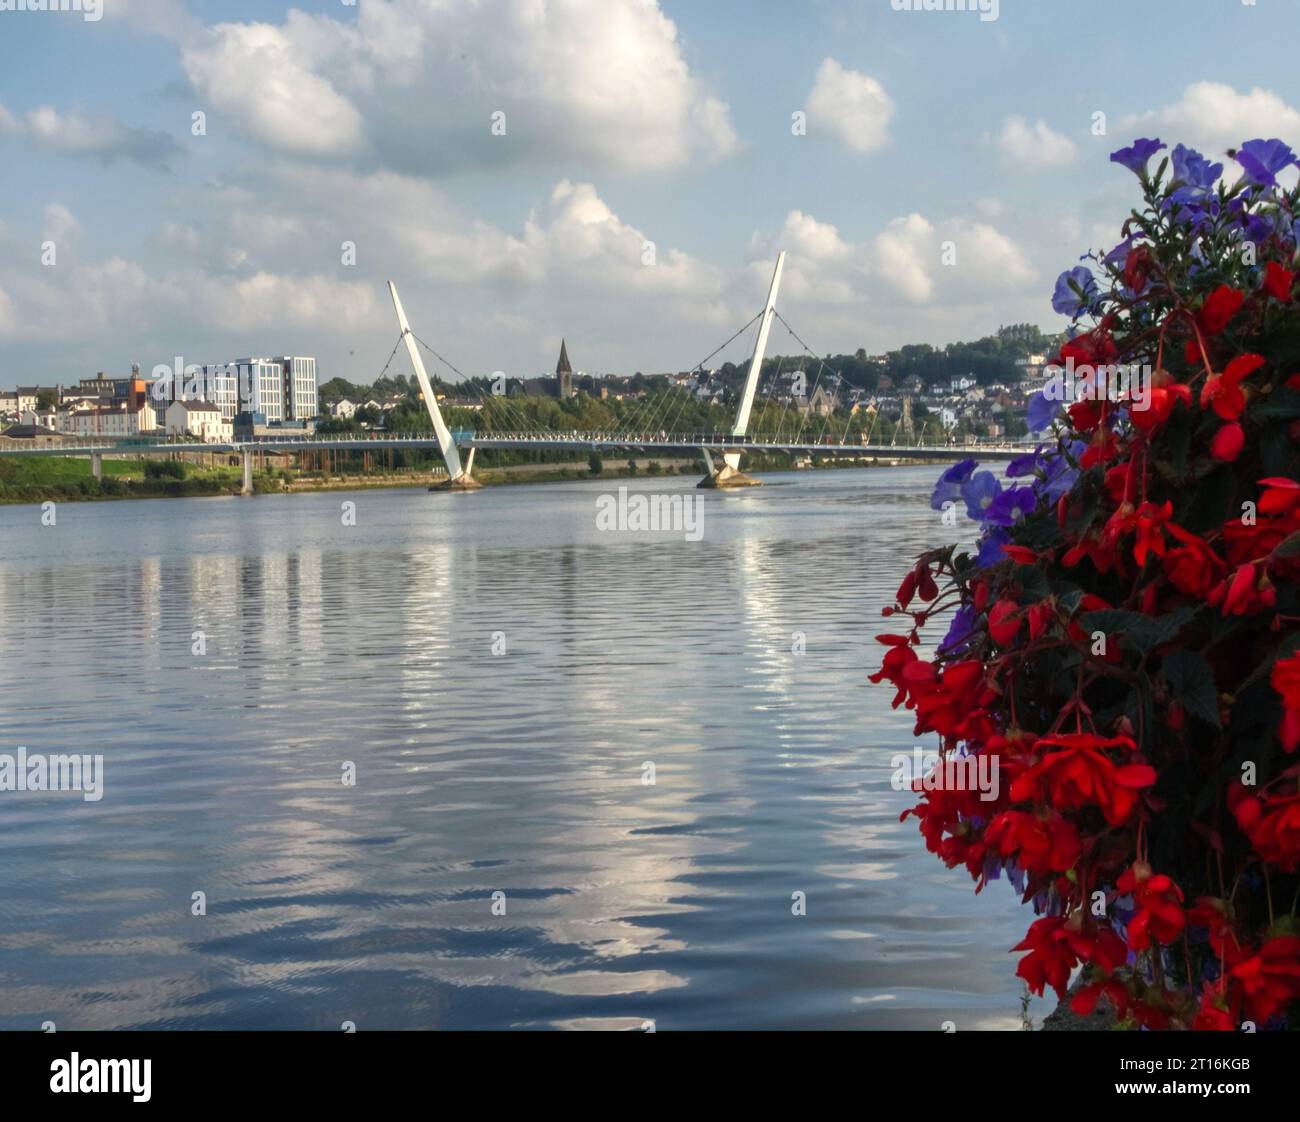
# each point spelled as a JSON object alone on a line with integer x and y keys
{"x": 97, "y": 466}
{"x": 728, "y": 475}
{"x": 246, "y": 487}
{"x": 462, "y": 482}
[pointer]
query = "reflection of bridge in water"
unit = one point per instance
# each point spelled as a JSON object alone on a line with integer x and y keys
{"x": 646, "y": 439}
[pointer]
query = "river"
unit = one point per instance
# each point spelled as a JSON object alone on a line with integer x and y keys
{"x": 596, "y": 773}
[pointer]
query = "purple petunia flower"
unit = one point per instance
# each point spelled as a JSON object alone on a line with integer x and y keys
{"x": 1119, "y": 254}
{"x": 1043, "y": 410}
{"x": 1194, "y": 170}
{"x": 948, "y": 489}
{"x": 960, "y": 630}
{"x": 1058, "y": 479}
{"x": 979, "y": 491}
{"x": 1135, "y": 158}
{"x": 1027, "y": 464}
{"x": 1261, "y": 160}
{"x": 1013, "y": 505}
{"x": 1076, "y": 289}
{"x": 990, "y": 551}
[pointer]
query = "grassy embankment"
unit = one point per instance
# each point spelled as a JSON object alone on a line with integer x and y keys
{"x": 38, "y": 479}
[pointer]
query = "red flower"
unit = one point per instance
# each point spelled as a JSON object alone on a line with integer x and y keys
{"x": 1219, "y": 308}
{"x": 1137, "y": 268}
{"x": 1281, "y": 496}
{"x": 1223, "y": 392}
{"x": 1286, "y": 680}
{"x": 1005, "y": 622}
{"x": 899, "y": 656}
{"x": 1086, "y": 997}
{"x": 1079, "y": 773}
{"x": 1159, "y": 900}
{"x": 1212, "y": 914}
{"x": 944, "y": 819}
{"x": 1228, "y": 443}
{"x": 1042, "y": 844}
{"x": 946, "y": 703}
{"x": 1149, "y": 522}
{"x": 1247, "y": 592}
{"x": 1278, "y": 282}
{"x": 1272, "y": 824}
{"x": 1050, "y": 958}
{"x": 1213, "y": 1015}
{"x": 1165, "y": 394}
{"x": 1193, "y": 567}
{"x": 1270, "y": 980}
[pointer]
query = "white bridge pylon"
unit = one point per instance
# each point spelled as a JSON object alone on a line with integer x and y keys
{"x": 458, "y": 476}
{"x": 730, "y": 475}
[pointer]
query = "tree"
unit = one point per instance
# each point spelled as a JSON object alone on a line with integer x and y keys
{"x": 595, "y": 464}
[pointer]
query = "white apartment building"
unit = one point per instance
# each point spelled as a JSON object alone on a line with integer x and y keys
{"x": 109, "y": 421}
{"x": 201, "y": 419}
{"x": 261, "y": 381}
{"x": 300, "y": 396}
{"x": 221, "y": 388}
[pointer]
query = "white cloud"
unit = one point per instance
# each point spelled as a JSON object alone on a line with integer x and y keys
{"x": 1036, "y": 145}
{"x": 903, "y": 254}
{"x": 414, "y": 85}
{"x": 248, "y": 278}
{"x": 851, "y": 106}
{"x": 98, "y": 136}
{"x": 260, "y": 77}
{"x": 1214, "y": 116}
{"x": 60, "y": 223}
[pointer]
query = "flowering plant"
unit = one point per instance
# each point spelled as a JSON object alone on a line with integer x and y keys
{"x": 1124, "y": 638}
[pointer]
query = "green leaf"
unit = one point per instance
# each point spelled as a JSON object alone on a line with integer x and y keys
{"x": 1289, "y": 547}
{"x": 1033, "y": 581}
{"x": 1284, "y": 402}
{"x": 1192, "y": 682}
{"x": 1139, "y": 632}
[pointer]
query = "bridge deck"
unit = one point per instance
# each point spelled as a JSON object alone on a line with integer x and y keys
{"x": 578, "y": 442}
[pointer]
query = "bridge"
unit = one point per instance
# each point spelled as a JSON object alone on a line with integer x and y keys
{"x": 648, "y": 437}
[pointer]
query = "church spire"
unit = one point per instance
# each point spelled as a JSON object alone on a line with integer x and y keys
{"x": 564, "y": 372}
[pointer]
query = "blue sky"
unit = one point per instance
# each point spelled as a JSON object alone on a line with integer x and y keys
{"x": 626, "y": 122}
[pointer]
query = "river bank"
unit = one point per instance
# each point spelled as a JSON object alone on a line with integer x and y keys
{"x": 70, "y": 480}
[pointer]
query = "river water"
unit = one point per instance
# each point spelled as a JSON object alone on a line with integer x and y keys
{"x": 499, "y": 673}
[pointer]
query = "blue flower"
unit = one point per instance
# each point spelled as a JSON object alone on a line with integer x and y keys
{"x": 1013, "y": 505}
{"x": 1261, "y": 160}
{"x": 1043, "y": 410}
{"x": 1076, "y": 289}
{"x": 1058, "y": 479}
{"x": 1027, "y": 464}
{"x": 960, "y": 630}
{"x": 1136, "y": 157}
{"x": 1119, "y": 254}
{"x": 1195, "y": 172}
{"x": 991, "y": 544}
{"x": 948, "y": 489}
{"x": 979, "y": 491}
{"x": 1192, "y": 201}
